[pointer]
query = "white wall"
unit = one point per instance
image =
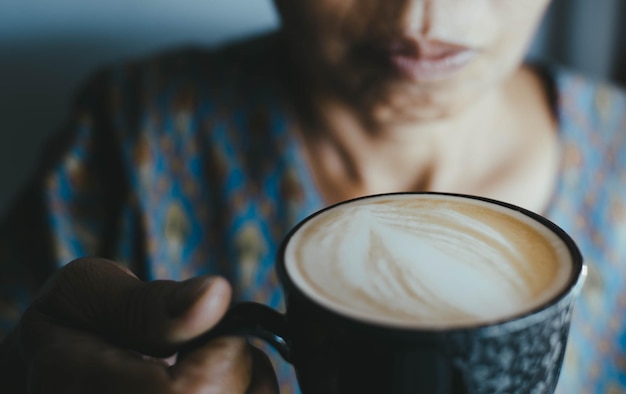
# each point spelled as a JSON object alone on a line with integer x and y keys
{"x": 48, "y": 46}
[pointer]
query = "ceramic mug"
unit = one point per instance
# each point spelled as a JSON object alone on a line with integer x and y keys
{"x": 336, "y": 353}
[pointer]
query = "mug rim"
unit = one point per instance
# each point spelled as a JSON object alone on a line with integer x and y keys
{"x": 490, "y": 328}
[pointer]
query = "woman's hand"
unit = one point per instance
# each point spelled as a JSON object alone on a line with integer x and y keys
{"x": 96, "y": 328}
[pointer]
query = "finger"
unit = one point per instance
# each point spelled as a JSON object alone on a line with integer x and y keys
{"x": 223, "y": 365}
{"x": 263, "y": 376}
{"x": 99, "y": 296}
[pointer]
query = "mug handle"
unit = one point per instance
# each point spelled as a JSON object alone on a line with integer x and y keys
{"x": 248, "y": 319}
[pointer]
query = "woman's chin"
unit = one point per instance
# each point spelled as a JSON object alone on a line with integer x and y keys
{"x": 389, "y": 116}
{"x": 399, "y": 106}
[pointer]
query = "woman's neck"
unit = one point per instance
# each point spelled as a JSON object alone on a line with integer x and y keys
{"x": 485, "y": 149}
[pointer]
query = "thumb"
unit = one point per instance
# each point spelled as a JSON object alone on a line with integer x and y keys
{"x": 193, "y": 306}
{"x": 153, "y": 318}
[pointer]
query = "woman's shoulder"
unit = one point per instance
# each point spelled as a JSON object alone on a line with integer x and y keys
{"x": 588, "y": 103}
{"x": 226, "y": 63}
{"x": 591, "y": 196}
{"x": 591, "y": 114}
{"x": 218, "y": 73}
{"x": 210, "y": 85}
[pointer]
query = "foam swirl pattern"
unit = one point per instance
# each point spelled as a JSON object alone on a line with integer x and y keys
{"x": 427, "y": 262}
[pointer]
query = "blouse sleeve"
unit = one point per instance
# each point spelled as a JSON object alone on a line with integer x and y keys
{"x": 76, "y": 204}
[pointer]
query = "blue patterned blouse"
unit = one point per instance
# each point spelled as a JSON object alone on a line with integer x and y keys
{"x": 185, "y": 164}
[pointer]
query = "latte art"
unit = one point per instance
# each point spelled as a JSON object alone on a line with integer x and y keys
{"x": 427, "y": 261}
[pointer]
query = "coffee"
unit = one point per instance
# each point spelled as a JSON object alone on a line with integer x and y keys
{"x": 427, "y": 261}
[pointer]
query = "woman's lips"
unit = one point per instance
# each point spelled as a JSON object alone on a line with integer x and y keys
{"x": 429, "y": 61}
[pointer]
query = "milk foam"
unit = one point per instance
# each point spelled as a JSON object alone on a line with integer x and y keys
{"x": 427, "y": 261}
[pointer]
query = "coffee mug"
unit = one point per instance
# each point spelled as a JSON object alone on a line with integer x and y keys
{"x": 420, "y": 293}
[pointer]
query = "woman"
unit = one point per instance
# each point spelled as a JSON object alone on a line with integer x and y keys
{"x": 195, "y": 163}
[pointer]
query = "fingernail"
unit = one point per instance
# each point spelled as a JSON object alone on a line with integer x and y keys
{"x": 185, "y": 293}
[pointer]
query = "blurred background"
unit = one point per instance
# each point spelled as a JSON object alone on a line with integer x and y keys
{"x": 48, "y": 47}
